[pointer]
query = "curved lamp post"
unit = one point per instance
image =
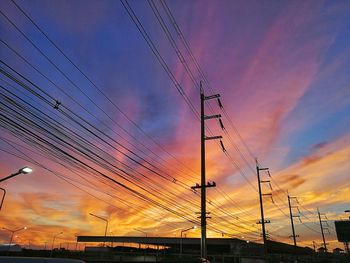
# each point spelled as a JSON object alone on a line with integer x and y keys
{"x": 24, "y": 170}
{"x": 13, "y": 232}
{"x": 183, "y": 231}
{"x": 104, "y": 219}
{"x": 53, "y": 241}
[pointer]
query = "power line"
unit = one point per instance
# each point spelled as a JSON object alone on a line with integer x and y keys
{"x": 75, "y": 85}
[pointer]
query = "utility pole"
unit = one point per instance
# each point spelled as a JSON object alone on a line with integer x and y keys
{"x": 292, "y": 221}
{"x": 321, "y": 225}
{"x": 263, "y": 221}
{"x": 203, "y": 186}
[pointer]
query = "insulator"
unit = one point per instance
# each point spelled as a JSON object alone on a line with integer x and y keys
{"x": 58, "y": 103}
{"x": 220, "y": 104}
{"x": 221, "y": 124}
{"x": 222, "y": 146}
{"x": 270, "y": 186}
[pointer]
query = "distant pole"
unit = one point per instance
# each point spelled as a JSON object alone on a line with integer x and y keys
{"x": 258, "y": 169}
{"x": 203, "y": 183}
{"x": 324, "y": 240}
{"x": 292, "y": 223}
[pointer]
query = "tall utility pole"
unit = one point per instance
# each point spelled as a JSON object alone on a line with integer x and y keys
{"x": 321, "y": 225}
{"x": 263, "y": 221}
{"x": 203, "y": 186}
{"x": 292, "y": 222}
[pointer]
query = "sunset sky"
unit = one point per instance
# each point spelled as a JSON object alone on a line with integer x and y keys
{"x": 281, "y": 68}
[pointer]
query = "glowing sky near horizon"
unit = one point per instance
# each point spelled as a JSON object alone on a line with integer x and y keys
{"x": 281, "y": 67}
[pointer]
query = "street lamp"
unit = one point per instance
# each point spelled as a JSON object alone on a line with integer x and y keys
{"x": 104, "y": 219}
{"x": 24, "y": 170}
{"x": 13, "y": 232}
{"x": 53, "y": 241}
{"x": 183, "y": 231}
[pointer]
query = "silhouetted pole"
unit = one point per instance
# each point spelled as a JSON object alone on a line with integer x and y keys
{"x": 258, "y": 169}
{"x": 292, "y": 223}
{"x": 324, "y": 240}
{"x": 204, "y": 184}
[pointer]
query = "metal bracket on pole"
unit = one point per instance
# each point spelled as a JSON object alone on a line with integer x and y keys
{"x": 212, "y": 97}
{"x": 212, "y": 138}
{"x": 209, "y": 184}
{"x": 265, "y": 222}
{"x": 208, "y": 117}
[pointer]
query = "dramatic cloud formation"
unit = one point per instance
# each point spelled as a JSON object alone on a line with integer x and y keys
{"x": 281, "y": 69}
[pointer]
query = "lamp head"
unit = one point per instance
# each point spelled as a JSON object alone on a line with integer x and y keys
{"x": 26, "y": 170}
